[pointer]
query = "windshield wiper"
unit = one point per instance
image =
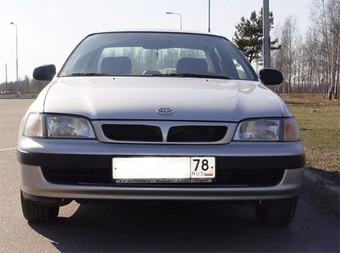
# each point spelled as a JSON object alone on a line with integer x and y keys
{"x": 161, "y": 75}
{"x": 88, "y": 74}
{"x": 196, "y": 75}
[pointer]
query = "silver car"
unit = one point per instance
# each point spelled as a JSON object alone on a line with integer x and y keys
{"x": 159, "y": 115}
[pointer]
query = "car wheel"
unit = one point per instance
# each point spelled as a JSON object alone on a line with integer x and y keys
{"x": 276, "y": 213}
{"x": 35, "y": 212}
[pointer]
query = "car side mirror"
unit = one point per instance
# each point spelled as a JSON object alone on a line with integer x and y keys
{"x": 44, "y": 73}
{"x": 271, "y": 76}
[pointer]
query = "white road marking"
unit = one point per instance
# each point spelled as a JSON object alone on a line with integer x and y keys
{"x": 6, "y": 149}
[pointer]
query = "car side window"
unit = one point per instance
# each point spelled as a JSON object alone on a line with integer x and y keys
{"x": 232, "y": 64}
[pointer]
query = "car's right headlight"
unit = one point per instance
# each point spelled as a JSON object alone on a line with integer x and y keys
{"x": 57, "y": 126}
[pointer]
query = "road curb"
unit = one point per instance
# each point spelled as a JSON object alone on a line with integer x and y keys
{"x": 323, "y": 187}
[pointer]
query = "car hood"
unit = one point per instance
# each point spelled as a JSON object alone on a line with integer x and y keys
{"x": 138, "y": 98}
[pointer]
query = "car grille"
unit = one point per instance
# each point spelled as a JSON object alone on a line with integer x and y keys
{"x": 243, "y": 177}
{"x": 180, "y": 134}
{"x": 196, "y": 133}
{"x": 259, "y": 177}
{"x": 132, "y": 132}
{"x": 75, "y": 176}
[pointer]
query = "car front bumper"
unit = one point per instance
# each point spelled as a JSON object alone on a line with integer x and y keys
{"x": 36, "y": 154}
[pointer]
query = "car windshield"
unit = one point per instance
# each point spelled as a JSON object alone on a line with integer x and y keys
{"x": 157, "y": 54}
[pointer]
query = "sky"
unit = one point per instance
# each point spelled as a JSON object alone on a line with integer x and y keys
{"x": 48, "y": 30}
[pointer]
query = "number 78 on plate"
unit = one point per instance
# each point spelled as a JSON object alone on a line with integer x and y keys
{"x": 202, "y": 167}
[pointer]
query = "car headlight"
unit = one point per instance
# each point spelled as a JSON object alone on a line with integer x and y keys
{"x": 57, "y": 126}
{"x": 268, "y": 130}
{"x": 60, "y": 126}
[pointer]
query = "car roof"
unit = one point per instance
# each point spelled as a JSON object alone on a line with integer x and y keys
{"x": 158, "y": 31}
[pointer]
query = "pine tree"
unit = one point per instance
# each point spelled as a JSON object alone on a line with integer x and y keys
{"x": 249, "y": 35}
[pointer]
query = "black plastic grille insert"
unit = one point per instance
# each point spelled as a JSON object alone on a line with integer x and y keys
{"x": 95, "y": 176}
{"x": 148, "y": 133}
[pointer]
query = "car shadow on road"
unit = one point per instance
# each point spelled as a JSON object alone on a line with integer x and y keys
{"x": 167, "y": 227}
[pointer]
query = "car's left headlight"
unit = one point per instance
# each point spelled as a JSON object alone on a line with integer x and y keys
{"x": 268, "y": 130}
{"x": 57, "y": 126}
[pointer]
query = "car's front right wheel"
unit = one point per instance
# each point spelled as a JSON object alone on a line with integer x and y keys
{"x": 276, "y": 212}
{"x": 35, "y": 212}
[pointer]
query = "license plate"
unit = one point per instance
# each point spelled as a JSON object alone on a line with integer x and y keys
{"x": 168, "y": 168}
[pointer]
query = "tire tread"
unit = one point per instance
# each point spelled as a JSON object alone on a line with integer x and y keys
{"x": 277, "y": 213}
{"x": 35, "y": 212}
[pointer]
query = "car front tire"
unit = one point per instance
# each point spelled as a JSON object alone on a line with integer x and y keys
{"x": 276, "y": 212}
{"x": 35, "y": 212}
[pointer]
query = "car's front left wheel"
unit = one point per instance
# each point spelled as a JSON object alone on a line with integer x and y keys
{"x": 35, "y": 212}
{"x": 276, "y": 212}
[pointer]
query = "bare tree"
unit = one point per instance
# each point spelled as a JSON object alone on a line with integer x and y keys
{"x": 325, "y": 16}
{"x": 311, "y": 65}
{"x": 312, "y": 52}
{"x": 285, "y": 58}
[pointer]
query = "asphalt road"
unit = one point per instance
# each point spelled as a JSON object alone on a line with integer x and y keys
{"x": 140, "y": 227}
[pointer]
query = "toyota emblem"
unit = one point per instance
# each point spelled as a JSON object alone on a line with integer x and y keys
{"x": 165, "y": 111}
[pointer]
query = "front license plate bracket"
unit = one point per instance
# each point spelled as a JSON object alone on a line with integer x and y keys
{"x": 163, "y": 169}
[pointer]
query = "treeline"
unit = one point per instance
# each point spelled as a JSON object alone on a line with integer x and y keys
{"x": 26, "y": 85}
{"x": 310, "y": 63}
